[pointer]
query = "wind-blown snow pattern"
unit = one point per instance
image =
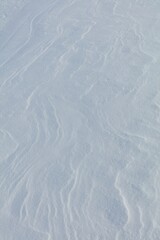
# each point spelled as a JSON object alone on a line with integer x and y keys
{"x": 79, "y": 119}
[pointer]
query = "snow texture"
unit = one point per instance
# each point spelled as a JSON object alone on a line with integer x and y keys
{"x": 79, "y": 119}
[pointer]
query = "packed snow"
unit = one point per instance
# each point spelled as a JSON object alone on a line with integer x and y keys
{"x": 79, "y": 119}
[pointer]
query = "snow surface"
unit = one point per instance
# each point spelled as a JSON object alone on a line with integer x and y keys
{"x": 79, "y": 119}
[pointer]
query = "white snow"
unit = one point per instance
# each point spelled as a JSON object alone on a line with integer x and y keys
{"x": 79, "y": 120}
